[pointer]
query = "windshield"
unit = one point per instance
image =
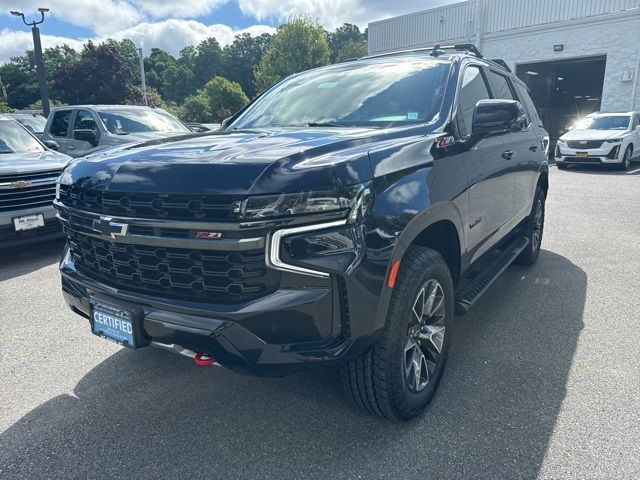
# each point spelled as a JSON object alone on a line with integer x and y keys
{"x": 33, "y": 124}
{"x": 354, "y": 94}
{"x": 618, "y": 122}
{"x": 123, "y": 122}
{"x": 15, "y": 139}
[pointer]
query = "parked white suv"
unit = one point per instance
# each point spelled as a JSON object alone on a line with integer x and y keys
{"x": 601, "y": 138}
{"x": 83, "y": 129}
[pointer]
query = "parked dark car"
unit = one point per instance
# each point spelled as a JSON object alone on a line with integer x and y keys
{"x": 28, "y": 174}
{"x": 344, "y": 217}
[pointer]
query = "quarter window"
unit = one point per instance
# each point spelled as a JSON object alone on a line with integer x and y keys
{"x": 60, "y": 123}
{"x": 473, "y": 90}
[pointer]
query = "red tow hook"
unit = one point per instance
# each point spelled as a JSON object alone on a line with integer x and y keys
{"x": 204, "y": 359}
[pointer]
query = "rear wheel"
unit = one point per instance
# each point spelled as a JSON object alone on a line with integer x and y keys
{"x": 626, "y": 160}
{"x": 533, "y": 230}
{"x": 397, "y": 378}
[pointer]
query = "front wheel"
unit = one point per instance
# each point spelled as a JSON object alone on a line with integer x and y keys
{"x": 533, "y": 230}
{"x": 398, "y": 377}
{"x": 626, "y": 160}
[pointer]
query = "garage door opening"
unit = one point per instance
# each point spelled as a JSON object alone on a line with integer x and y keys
{"x": 564, "y": 91}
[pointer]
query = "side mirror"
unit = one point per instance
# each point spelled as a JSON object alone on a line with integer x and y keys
{"x": 492, "y": 117}
{"x": 51, "y": 144}
{"x": 224, "y": 123}
{"x": 638, "y": 128}
{"x": 86, "y": 135}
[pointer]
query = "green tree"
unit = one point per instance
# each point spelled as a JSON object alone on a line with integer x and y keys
{"x": 218, "y": 99}
{"x": 101, "y": 75}
{"x": 347, "y": 41}
{"x": 207, "y": 62}
{"x": 196, "y": 109}
{"x": 129, "y": 53}
{"x": 241, "y": 58}
{"x": 299, "y": 45}
{"x": 20, "y": 77}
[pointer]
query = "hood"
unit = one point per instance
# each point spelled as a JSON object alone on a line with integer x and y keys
{"x": 593, "y": 134}
{"x": 238, "y": 163}
{"x": 16, "y": 163}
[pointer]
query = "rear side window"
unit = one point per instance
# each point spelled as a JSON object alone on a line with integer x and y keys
{"x": 85, "y": 121}
{"x": 527, "y": 103}
{"x": 636, "y": 121}
{"x": 473, "y": 90}
{"x": 60, "y": 123}
{"x": 500, "y": 86}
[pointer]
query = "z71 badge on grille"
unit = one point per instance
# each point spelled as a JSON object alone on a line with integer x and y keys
{"x": 209, "y": 235}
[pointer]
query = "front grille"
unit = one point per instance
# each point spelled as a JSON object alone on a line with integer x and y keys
{"x": 151, "y": 205}
{"x": 41, "y": 193}
{"x": 588, "y": 145}
{"x": 197, "y": 275}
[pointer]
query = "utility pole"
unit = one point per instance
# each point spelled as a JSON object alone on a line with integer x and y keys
{"x": 42, "y": 79}
{"x": 143, "y": 78}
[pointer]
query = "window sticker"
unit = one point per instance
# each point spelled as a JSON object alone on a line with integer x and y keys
{"x": 412, "y": 116}
{"x": 328, "y": 85}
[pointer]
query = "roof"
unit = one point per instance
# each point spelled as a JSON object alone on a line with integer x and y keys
{"x": 106, "y": 107}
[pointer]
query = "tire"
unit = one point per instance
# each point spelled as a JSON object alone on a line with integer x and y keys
{"x": 384, "y": 381}
{"x": 626, "y": 160}
{"x": 561, "y": 166}
{"x": 534, "y": 230}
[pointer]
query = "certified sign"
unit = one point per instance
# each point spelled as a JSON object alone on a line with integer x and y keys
{"x": 28, "y": 222}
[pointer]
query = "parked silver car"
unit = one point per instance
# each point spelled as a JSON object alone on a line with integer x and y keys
{"x": 83, "y": 129}
{"x": 28, "y": 173}
{"x": 34, "y": 122}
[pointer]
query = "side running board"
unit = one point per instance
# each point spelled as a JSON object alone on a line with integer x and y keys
{"x": 473, "y": 289}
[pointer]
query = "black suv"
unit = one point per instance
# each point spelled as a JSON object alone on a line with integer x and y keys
{"x": 344, "y": 217}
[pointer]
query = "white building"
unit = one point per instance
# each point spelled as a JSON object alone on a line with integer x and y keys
{"x": 577, "y": 56}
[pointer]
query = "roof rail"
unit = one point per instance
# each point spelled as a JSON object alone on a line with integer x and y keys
{"x": 502, "y": 63}
{"x": 460, "y": 47}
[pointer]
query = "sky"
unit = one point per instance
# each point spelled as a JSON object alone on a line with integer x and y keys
{"x": 174, "y": 24}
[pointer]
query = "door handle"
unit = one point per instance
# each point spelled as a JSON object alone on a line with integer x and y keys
{"x": 508, "y": 155}
{"x": 534, "y": 148}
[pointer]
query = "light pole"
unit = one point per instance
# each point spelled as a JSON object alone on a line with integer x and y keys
{"x": 44, "y": 94}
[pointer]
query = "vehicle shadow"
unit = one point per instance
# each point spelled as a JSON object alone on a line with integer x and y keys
{"x": 148, "y": 414}
{"x": 18, "y": 261}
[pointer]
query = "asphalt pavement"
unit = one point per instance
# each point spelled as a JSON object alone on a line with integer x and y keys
{"x": 543, "y": 379}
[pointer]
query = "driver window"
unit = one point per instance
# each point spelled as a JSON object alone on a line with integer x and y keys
{"x": 85, "y": 121}
{"x": 473, "y": 90}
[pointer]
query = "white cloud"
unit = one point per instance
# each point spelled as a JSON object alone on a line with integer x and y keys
{"x": 174, "y": 34}
{"x": 15, "y": 43}
{"x": 101, "y": 16}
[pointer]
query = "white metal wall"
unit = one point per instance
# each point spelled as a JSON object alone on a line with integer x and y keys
{"x": 503, "y": 15}
{"x": 423, "y": 28}
{"x": 459, "y": 22}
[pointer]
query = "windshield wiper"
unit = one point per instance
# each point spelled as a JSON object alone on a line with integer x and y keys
{"x": 326, "y": 124}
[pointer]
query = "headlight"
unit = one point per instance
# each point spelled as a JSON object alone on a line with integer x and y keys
{"x": 57, "y": 191}
{"x": 615, "y": 140}
{"x": 351, "y": 202}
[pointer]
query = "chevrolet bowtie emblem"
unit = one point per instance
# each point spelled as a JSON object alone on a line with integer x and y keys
{"x": 22, "y": 184}
{"x": 108, "y": 228}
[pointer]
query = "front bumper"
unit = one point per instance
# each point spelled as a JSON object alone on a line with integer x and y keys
{"x": 307, "y": 320}
{"x": 9, "y": 237}
{"x": 609, "y": 153}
